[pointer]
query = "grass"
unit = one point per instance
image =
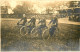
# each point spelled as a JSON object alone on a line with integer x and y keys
{"x": 67, "y": 39}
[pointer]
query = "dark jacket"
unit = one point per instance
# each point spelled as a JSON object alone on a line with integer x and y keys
{"x": 54, "y": 21}
{"x": 32, "y": 21}
{"x": 24, "y": 20}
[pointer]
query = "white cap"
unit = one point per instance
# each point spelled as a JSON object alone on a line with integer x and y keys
{"x": 24, "y": 15}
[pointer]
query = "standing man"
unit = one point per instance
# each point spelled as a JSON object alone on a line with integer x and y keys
{"x": 23, "y": 20}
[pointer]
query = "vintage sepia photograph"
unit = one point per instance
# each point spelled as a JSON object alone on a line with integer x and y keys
{"x": 40, "y": 25}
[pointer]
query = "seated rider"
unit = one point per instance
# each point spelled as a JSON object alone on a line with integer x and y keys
{"x": 42, "y": 23}
{"x": 31, "y": 24}
{"x": 23, "y": 20}
{"x": 54, "y": 23}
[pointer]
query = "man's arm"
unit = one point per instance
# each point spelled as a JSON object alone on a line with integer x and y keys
{"x": 39, "y": 21}
{"x": 30, "y": 21}
{"x": 20, "y": 21}
{"x": 50, "y": 22}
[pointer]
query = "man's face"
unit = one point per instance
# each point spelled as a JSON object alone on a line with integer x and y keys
{"x": 24, "y": 15}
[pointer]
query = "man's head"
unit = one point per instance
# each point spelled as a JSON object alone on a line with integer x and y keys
{"x": 43, "y": 18}
{"x": 24, "y": 15}
{"x": 33, "y": 17}
{"x": 53, "y": 16}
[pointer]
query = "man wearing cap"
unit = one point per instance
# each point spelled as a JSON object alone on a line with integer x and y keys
{"x": 42, "y": 23}
{"x": 54, "y": 23}
{"x": 23, "y": 20}
{"x": 31, "y": 24}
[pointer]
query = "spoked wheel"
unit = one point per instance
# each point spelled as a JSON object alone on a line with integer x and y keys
{"x": 17, "y": 28}
{"x": 45, "y": 34}
{"x": 34, "y": 33}
{"x": 23, "y": 30}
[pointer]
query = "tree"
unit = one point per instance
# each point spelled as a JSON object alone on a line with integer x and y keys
{"x": 24, "y": 8}
{"x": 18, "y": 9}
{"x": 75, "y": 5}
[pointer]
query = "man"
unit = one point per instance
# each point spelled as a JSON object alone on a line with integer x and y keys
{"x": 42, "y": 23}
{"x": 31, "y": 24}
{"x": 54, "y": 24}
{"x": 32, "y": 21}
{"x": 23, "y": 20}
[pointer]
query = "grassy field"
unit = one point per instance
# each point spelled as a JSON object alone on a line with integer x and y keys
{"x": 66, "y": 39}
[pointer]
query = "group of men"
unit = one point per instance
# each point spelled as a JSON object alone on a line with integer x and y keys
{"x": 42, "y": 22}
